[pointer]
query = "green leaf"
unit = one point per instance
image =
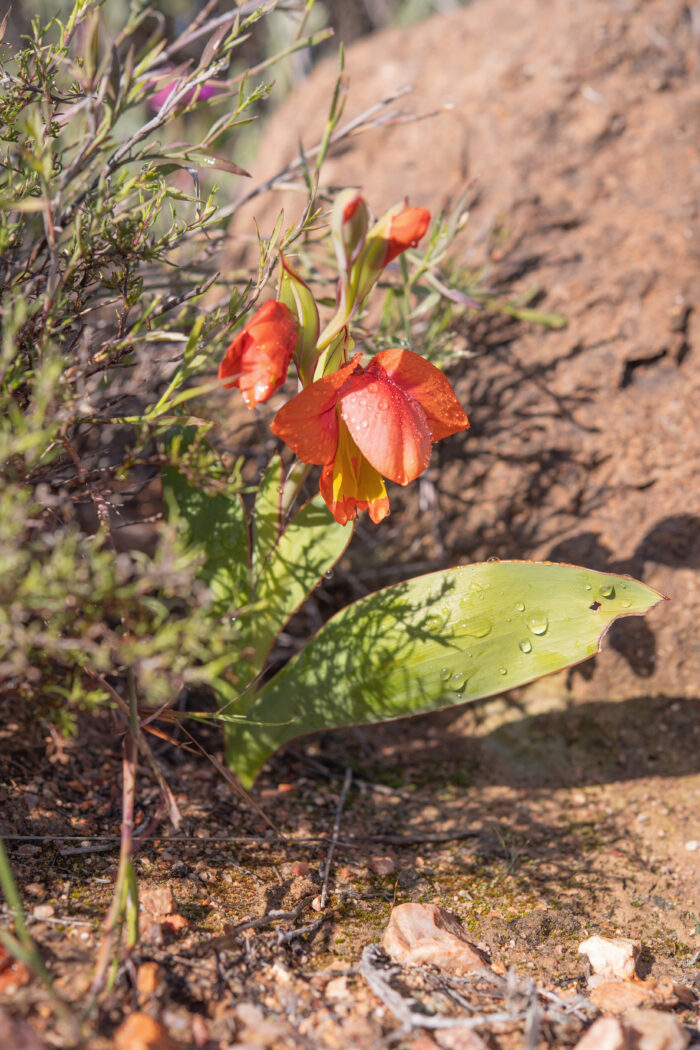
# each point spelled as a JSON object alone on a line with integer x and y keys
{"x": 267, "y": 524}
{"x": 216, "y": 523}
{"x": 434, "y": 641}
{"x": 291, "y": 565}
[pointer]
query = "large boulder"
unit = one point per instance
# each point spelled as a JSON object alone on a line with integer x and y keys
{"x": 580, "y": 123}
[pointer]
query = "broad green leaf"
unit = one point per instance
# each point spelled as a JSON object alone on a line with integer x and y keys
{"x": 308, "y": 548}
{"x": 267, "y": 523}
{"x": 216, "y": 523}
{"x": 434, "y": 641}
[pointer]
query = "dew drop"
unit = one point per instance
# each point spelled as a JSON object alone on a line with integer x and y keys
{"x": 493, "y": 558}
{"x": 329, "y": 574}
{"x": 606, "y": 591}
{"x": 588, "y": 587}
{"x": 503, "y": 670}
{"x": 383, "y": 405}
{"x": 445, "y": 674}
{"x": 520, "y": 606}
{"x": 525, "y": 646}
{"x": 459, "y": 689}
{"x": 625, "y": 603}
{"x": 538, "y": 622}
{"x": 477, "y": 627}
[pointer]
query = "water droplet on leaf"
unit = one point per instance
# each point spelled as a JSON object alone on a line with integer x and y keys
{"x": 607, "y": 591}
{"x": 503, "y": 670}
{"x": 538, "y": 622}
{"x": 520, "y": 606}
{"x": 525, "y": 646}
{"x": 477, "y": 627}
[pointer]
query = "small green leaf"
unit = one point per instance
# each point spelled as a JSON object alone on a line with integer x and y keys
{"x": 434, "y": 641}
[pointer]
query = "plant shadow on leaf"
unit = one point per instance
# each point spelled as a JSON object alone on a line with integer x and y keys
{"x": 432, "y": 642}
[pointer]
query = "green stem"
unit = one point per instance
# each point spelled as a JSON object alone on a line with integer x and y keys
{"x": 298, "y": 473}
{"x": 115, "y": 916}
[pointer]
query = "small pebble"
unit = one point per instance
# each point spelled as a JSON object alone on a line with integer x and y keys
{"x": 382, "y": 865}
{"x": 43, "y": 911}
{"x": 299, "y": 868}
{"x": 611, "y": 957}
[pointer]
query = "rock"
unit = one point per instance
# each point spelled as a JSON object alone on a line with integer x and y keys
{"x": 299, "y": 868}
{"x": 16, "y": 1034}
{"x": 382, "y": 865}
{"x": 141, "y": 1032}
{"x": 157, "y": 901}
{"x": 337, "y": 989}
{"x": 43, "y": 911}
{"x": 459, "y": 1039}
{"x": 606, "y": 1033}
{"x": 175, "y": 922}
{"x": 13, "y": 973}
{"x": 423, "y": 934}
{"x": 655, "y": 1030}
{"x": 618, "y": 996}
{"x": 582, "y": 202}
{"x": 149, "y": 978}
{"x": 200, "y": 1031}
{"x": 158, "y": 908}
{"x": 611, "y": 958}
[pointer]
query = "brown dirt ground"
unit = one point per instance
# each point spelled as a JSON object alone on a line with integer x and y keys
{"x": 536, "y": 833}
{"x": 538, "y": 818}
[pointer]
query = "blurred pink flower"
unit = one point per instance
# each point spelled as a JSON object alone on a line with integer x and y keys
{"x": 202, "y": 92}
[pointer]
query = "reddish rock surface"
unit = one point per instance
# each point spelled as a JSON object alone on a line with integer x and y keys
{"x": 580, "y": 123}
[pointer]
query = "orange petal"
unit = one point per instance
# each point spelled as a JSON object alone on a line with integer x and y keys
{"x": 231, "y": 364}
{"x": 426, "y": 383}
{"x": 259, "y": 356}
{"x": 389, "y": 428}
{"x": 405, "y": 230}
{"x": 309, "y": 422}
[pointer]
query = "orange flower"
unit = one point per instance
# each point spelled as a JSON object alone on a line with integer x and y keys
{"x": 362, "y": 423}
{"x": 259, "y": 356}
{"x": 405, "y": 230}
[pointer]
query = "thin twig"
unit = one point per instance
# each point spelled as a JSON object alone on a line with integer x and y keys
{"x": 301, "y": 931}
{"x": 401, "y": 1008}
{"x": 359, "y": 123}
{"x": 96, "y": 497}
{"x": 334, "y": 837}
{"x": 270, "y": 917}
{"x": 351, "y": 842}
{"x": 115, "y": 914}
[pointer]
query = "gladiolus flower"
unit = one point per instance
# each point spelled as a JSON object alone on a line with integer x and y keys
{"x": 361, "y": 423}
{"x": 394, "y": 233}
{"x": 259, "y": 356}
{"x": 405, "y": 230}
